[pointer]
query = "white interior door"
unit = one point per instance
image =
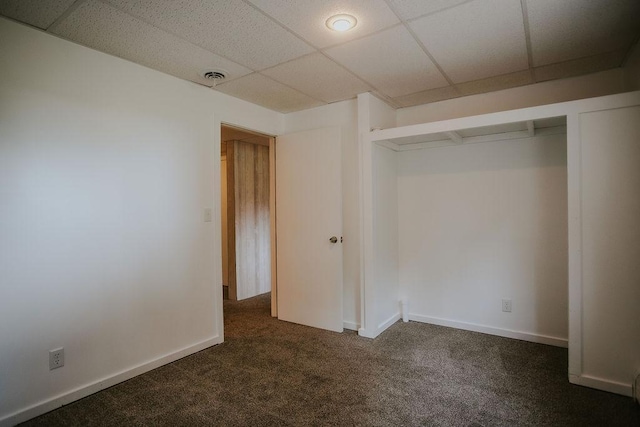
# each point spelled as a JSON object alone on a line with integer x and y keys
{"x": 308, "y": 215}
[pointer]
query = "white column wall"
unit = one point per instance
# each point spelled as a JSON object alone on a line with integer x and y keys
{"x": 610, "y": 188}
{"x": 385, "y": 237}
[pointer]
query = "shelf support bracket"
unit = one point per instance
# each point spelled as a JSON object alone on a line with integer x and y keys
{"x": 454, "y": 136}
{"x": 531, "y": 128}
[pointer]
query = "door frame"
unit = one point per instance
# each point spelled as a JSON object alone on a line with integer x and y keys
{"x": 231, "y": 214}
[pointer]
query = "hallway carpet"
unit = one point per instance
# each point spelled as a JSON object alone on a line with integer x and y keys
{"x": 274, "y": 373}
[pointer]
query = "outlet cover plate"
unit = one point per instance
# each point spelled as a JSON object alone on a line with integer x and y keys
{"x": 56, "y": 358}
{"x": 506, "y": 305}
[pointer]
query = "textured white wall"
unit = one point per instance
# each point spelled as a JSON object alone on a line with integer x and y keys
{"x": 482, "y": 222}
{"x": 106, "y": 168}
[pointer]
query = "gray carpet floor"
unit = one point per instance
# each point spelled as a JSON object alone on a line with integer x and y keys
{"x": 274, "y": 373}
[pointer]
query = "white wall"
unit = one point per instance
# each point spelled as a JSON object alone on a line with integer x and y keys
{"x": 106, "y": 168}
{"x": 483, "y": 222}
{"x": 344, "y": 115}
{"x": 632, "y": 69}
{"x": 610, "y": 156}
{"x": 587, "y": 86}
{"x": 385, "y": 236}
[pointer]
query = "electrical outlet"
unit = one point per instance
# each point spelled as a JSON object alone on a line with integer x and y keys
{"x": 56, "y": 358}
{"x": 506, "y": 305}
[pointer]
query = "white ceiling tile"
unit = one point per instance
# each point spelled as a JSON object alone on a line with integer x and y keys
{"x": 409, "y": 9}
{"x": 264, "y": 91}
{"x": 491, "y": 84}
{"x": 319, "y": 77}
{"x": 476, "y": 40}
{"x": 231, "y": 28}
{"x": 39, "y": 13}
{"x": 308, "y": 18}
{"x": 102, "y": 27}
{"x": 427, "y": 96}
{"x": 580, "y": 66}
{"x": 570, "y": 29}
{"x": 391, "y": 60}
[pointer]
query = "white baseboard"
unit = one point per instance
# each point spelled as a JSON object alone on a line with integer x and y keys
{"x": 84, "y": 391}
{"x": 366, "y": 334}
{"x": 507, "y": 333}
{"x": 601, "y": 384}
{"x": 390, "y": 321}
{"x": 371, "y": 333}
{"x": 352, "y": 326}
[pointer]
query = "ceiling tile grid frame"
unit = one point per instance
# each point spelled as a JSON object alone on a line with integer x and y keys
{"x": 476, "y": 40}
{"x": 584, "y": 27}
{"x": 38, "y": 13}
{"x": 269, "y": 93}
{"x": 583, "y": 65}
{"x": 307, "y": 18}
{"x": 129, "y": 38}
{"x": 319, "y": 77}
{"x": 412, "y": 9}
{"x": 216, "y": 25}
{"x": 391, "y": 60}
{"x": 597, "y": 35}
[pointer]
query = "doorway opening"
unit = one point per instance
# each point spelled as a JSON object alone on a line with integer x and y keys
{"x": 247, "y": 214}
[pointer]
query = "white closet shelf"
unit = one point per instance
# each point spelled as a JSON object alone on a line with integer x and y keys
{"x": 467, "y": 135}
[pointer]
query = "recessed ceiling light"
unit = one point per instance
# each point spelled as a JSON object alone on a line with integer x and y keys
{"x": 342, "y": 22}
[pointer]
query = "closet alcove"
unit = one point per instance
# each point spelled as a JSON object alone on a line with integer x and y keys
{"x": 537, "y": 206}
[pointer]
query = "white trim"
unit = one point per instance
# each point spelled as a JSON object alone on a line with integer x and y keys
{"x": 510, "y": 116}
{"x": 94, "y": 387}
{"x": 387, "y": 323}
{"x": 367, "y": 310}
{"x": 352, "y": 326}
{"x": 507, "y": 333}
{"x": 362, "y": 332}
{"x": 388, "y": 144}
{"x": 574, "y": 214}
{"x": 601, "y": 384}
{"x": 505, "y": 136}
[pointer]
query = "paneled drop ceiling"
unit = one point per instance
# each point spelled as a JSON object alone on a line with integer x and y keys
{"x": 280, "y": 54}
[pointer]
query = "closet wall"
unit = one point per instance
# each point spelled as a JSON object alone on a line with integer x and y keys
{"x": 385, "y": 226}
{"x": 483, "y": 222}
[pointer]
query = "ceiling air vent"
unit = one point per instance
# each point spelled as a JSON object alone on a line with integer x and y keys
{"x": 215, "y": 76}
